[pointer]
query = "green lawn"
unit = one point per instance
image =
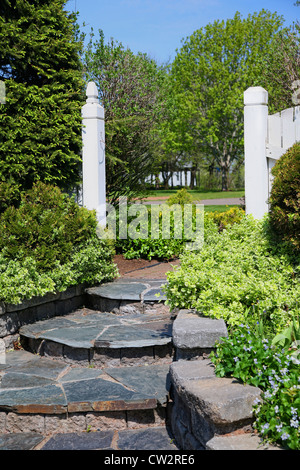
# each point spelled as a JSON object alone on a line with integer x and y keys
{"x": 198, "y": 194}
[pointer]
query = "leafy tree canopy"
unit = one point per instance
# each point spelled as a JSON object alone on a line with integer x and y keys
{"x": 131, "y": 89}
{"x": 210, "y": 73}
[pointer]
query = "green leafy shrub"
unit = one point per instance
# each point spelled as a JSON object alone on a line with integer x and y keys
{"x": 46, "y": 226}
{"x": 49, "y": 243}
{"x": 285, "y": 197}
{"x": 182, "y": 196}
{"x": 250, "y": 357}
{"x": 88, "y": 264}
{"x": 236, "y": 271}
{"x": 227, "y": 218}
{"x": 165, "y": 246}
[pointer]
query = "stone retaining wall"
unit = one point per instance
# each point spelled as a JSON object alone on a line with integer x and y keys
{"x": 12, "y": 317}
{"x": 208, "y": 412}
{"x": 205, "y": 406}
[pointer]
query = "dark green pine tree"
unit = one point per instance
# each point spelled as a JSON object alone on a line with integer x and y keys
{"x": 40, "y": 122}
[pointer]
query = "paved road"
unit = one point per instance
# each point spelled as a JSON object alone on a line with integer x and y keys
{"x": 206, "y": 202}
{"x": 221, "y": 202}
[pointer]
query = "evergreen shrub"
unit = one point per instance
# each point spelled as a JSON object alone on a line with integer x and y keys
{"x": 285, "y": 197}
{"x": 49, "y": 243}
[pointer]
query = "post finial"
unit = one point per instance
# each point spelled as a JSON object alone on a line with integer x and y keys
{"x": 92, "y": 93}
{"x": 255, "y": 95}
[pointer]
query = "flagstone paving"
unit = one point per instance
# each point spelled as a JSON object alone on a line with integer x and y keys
{"x": 96, "y": 331}
{"x": 34, "y": 384}
{"x": 159, "y": 438}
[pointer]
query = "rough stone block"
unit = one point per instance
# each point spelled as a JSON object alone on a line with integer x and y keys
{"x": 65, "y": 423}
{"x": 106, "y": 420}
{"x": 217, "y": 406}
{"x": 190, "y": 331}
{"x": 25, "y": 423}
{"x": 106, "y": 357}
{"x": 205, "y": 405}
{"x": 9, "y": 324}
{"x": 182, "y": 371}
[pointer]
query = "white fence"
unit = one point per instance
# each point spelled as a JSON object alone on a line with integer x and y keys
{"x": 267, "y": 138}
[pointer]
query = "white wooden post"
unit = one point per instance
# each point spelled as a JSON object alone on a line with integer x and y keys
{"x": 93, "y": 156}
{"x": 255, "y": 138}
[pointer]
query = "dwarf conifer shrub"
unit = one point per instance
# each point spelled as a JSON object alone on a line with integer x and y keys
{"x": 48, "y": 225}
{"x": 49, "y": 243}
{"x": 9, "y": 195}
{"x": 285, "y": 197}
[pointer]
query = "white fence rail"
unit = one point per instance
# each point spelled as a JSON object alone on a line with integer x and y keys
{"x": 267, "y": 138}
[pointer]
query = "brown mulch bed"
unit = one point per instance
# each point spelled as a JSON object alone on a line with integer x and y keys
{"x": 144, "y": 269}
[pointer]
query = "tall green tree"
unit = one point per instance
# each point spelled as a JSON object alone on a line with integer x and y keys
{"x": 210, "y": 73}
{"x": 40, "y": 123}
{"x": 131, "y": 90}
{"x": 281, "y": 75}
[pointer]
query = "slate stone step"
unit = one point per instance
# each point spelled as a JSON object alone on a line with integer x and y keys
{"x": 102, "y": 339}
{"x": 123, "y": 295}
{"x": 34, "y": 384}
{"x": 34, "y": 388}
{"x": 159, "y": 438}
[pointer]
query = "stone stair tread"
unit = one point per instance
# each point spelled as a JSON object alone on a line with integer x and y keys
{"x": 87, "y": 329}
{"x": 152, "y": 380}
{"x": 157, "y": 438}
{"x": 94, "y": 361}
{"x": 133, "y": 289}
{"x": 47, "y": 386}
{"x": 112, "y": 290}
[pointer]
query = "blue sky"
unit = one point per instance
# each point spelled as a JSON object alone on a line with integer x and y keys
{"x": 157, "y": 27}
